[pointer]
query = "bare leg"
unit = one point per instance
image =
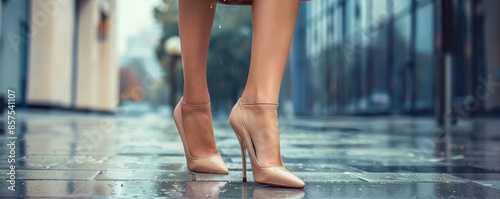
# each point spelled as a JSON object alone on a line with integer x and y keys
{"x": 195, "y": 24}
{"x": 273, "y": 23}
{"x": 255, "y": 117}
{"x": 196, "y": 18}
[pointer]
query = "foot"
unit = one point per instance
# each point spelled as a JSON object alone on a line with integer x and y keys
{"x": 264, "y": 132}
{"x": 195, "y": 128}
{"x": 256, "y": 127}
{"x": 198, "y": 129}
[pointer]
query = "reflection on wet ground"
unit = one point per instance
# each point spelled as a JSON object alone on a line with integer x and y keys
{"x": 80, "y": 155}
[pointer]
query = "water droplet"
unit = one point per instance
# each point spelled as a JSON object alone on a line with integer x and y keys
{"x": 220, "y": 26}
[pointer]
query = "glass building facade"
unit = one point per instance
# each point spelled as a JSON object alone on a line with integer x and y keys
{"x": 380, "y": 57}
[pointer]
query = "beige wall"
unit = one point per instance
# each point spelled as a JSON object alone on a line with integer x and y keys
{"x": 50, "y": 61}
{"x": 109, "y": 71}
{"x": 97, "y": 82}
{"x": 51, "y": 56}
{"x": 88, "y": 61}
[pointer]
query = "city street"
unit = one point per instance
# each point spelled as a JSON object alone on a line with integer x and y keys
{"x": 62, "y": 154}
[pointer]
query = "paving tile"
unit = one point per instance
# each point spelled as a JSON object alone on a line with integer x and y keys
{"x": 398, "y": 190}
{"x": 235, "y": 176}
{"x": 145, "y": 159}
{"x": 145, "y": 175}
{"x": 319, "y": 168}
{"x": 298, "y": 167}
{"x": 305, "y": 176}
{"x": 169, "y": 163}
{"x": 485, "y": 179}
{"x": 153, "y": 150}
{"x": 272, "y": 192}
{"x": 42, "y": 188}
{"x": 489, "y": 183}
{"x": 147, "y": 189}
{"x": 477, "y": 176}
{"x": 423, "y": 169}
{"x": 407, "y": 177}
{"x": 327, "y": 177}
{"x": 109, "y": 166}
{"x": 52, "y": 174}
{"x": 22, "y": 164}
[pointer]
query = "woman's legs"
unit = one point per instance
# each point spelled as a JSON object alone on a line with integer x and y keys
{"x": 273, "y": 26}
{"x": 195, "y": 25}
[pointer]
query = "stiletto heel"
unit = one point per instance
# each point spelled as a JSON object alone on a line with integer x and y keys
{"x": 244, "y": 162}
{"x": 211, "y": 163}
{"x": 274, "y": 173}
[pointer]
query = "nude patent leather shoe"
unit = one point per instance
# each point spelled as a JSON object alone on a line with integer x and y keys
{"x": 191, "y": 120}
{"x": 269, "y": 171}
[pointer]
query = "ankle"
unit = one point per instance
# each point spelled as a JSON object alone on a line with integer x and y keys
{"x": 197, "y": 99}
{"x": 259, "y": 97}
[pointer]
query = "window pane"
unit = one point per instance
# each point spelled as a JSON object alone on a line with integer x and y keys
{"x": 424, "y": 57}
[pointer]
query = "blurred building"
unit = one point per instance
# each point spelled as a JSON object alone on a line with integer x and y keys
{"x": 60, "y": 53}
{"x": 14, "y": 22}
{"x": 382, "y": 57}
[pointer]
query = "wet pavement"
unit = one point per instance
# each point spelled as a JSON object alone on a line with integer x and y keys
{"x": 60, "y": 154}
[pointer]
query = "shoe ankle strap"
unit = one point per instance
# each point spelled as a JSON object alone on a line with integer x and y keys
{"x": 258, "y": 103}
{"x": 186, "y": 104}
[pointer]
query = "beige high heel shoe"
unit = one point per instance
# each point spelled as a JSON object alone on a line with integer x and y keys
{"x": 251, "y": 133}
{"x": 199, "y": 118}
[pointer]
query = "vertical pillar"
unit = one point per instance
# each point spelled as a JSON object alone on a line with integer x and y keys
{"x": 14, "y": 18}
{"x": 50, "y": 54}
{"x": 443, "y": 68}
{"x": 300, "y": 94}
{"x": 410, "y": 65}
{"x": 97, "y": 70}
{"x": 491, "y": 80}
{"x": 477, "y": 52}
{"x": 369, "y": 65}
{"x": 341, "y": 93}
{"x": 390, "y": 54}
{"x": 88, "y": 79}
{"x": 1, "y": 7}
{"x": 108, "y": 88}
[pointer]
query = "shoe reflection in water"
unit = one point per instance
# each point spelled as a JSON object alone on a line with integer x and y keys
{"x": 203, "y": 189}
{"x": 268, "y": 192}
{"x": 213, "y": 190}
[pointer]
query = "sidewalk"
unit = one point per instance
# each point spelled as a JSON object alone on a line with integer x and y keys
{"x": 80, "y": 155}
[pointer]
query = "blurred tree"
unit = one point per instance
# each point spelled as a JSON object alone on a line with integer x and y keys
{"x": 166, "y": 15}
{"x": 229, "y": 51}
{"x": 131, "y": 84}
